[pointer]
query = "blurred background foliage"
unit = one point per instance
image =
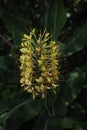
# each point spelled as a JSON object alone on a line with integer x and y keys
{"x": 67, "y": 22}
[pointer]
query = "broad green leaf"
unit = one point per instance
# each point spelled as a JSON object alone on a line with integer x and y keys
{"x": 41, "y": 122}
{"x": 55, "y": 17}
{"x": 16, "y": 26}
{"x": 77, "y": 42}
{"x": 67, "y": 123}
{"x": 29, "y": 110}
{"x": 1, "y": 128}
{"x": 3, "y": 107}
{"x": 3, "y": 118}
{"x": 45, "y": 123}
{"x": 74, "y": 83}
{"x": 23, "y": 112}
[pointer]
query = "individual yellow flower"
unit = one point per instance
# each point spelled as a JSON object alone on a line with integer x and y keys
{"x": 38, "y": 50}
{"x": 40, "y": 80}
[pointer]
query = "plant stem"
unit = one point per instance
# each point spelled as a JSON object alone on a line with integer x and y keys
{"x": 47, "y": 110}
{"x": 5, "y": 40}
{"x": 53, "y": 110}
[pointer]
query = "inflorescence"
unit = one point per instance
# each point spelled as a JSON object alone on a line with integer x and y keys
{"x": 39, "y": 64}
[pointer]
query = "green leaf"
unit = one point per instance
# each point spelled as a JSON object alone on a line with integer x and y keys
{"x": 41, "y": 122}
{"x": 3, "y": 118}
{"x": 60, "y": 107}
{"x": 1, "y": 128}
{"x": 45, "y": 127}
{"x": 67, "y": 123}
{"x": 77, "y": 42}
{"x": 54, "y": 123}
{"x": 23, "y": 112}
{"x": 45, "y": 123}
{"x": 15, "y": 25}
{"x": 8, "y": 94}
{"x": 78, "y": 126}
{"x": 74, "y": 84}
{"x": 8, "y": 74}
{"x": 7, "y": 63}
{"x": 3, "y": 107}
{"x": 77, "y": 112}
{"x": 28, "y": 110}
{"x": 55, "y": 17}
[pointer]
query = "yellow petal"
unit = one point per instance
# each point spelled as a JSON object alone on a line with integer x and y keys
{"x": 39, "y": 80}
{"x": 26, "y": 37}
{"x": 38, "y": 49}
{"x": 43, "y": 68}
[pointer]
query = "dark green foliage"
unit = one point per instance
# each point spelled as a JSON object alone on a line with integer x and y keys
{"x": 16, "y": 26}
{"x": 77, "y": 42}
{"x": 55, "y": 17}
{"x": 67, "y": 110}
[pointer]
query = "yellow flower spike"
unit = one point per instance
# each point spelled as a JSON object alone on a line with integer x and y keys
{"x": 39, "y": 64}
{"x": 26, "y": 66}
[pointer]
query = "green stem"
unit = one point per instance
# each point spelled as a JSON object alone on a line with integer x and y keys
{"x": 53, "y": 113}
{"x": 46, "y": 107}
{"x": 5, "y": 40}
{"x": 49, "y": 113}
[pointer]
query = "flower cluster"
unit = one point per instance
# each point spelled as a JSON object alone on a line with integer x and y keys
{"x": 38, "y": 64}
